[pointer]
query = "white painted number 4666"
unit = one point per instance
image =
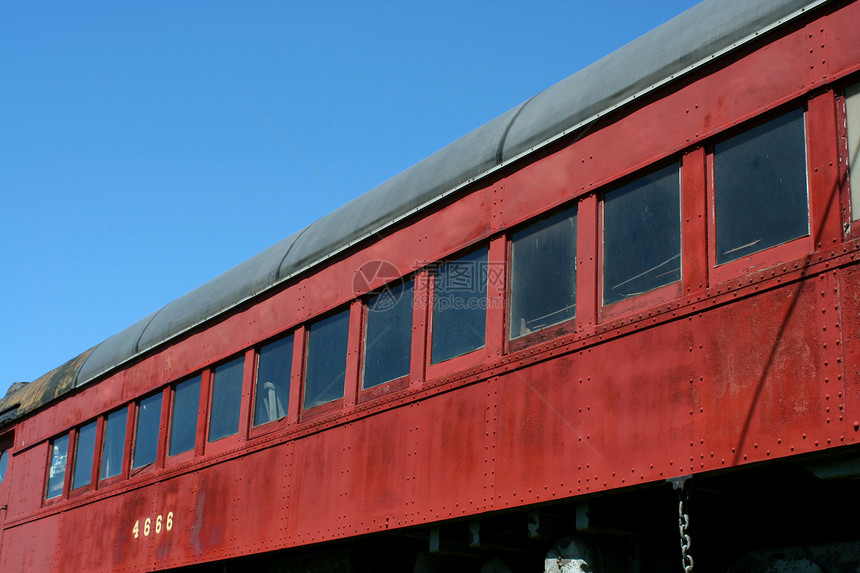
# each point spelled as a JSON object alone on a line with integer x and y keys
{"x": 160, "y": 523}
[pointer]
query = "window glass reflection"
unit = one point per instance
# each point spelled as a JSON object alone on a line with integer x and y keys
{"x": 183, "y": 417}
{"x": 642, "y": 235}
{"x": 146, "y": 432}
{"x": 57, "y": 469}
{"x": 114, "y": 443}
{"x": 543, "y": 273}
{"x": 4, "y": 464}
{"x": 459, "y": 306}
{"x": 273, "y": 381}
{"x": 85, "y": 450}
{"x": 226, "y": 399}
{"x": 760, "y": 187}
{"x": 325, "y": 373}
{"x": 388, "y": 340}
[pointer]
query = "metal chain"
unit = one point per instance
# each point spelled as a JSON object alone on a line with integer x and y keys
{"x": 683, "y": 524}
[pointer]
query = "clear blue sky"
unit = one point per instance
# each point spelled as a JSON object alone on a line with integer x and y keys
{"x": 135, "y": 162}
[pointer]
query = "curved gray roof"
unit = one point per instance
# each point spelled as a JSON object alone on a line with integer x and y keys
{"x": 686, "y": 42}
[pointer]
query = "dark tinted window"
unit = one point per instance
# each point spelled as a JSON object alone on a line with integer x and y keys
{"x": 543, "y": 273}
{"x": 146, "y": 433}
{"x": 273, "y": 381}
{"x": 760, "y": 187}
{"x": 4, "y": 464}
{"x": 114, "y": 443}
{"x": 85, "y": 451}
{"x": 459, "y": 306}
{"x": 57, "y": 469}
{"x": 388, "y": 340}
{"x": 642, "y": 235}
{"x": 325, "y": 374}
{"x": 183, "y": 418}
{"x": 226, "y": 399}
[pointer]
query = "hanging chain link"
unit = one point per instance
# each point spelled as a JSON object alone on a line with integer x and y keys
{"x": 683, "y": 524}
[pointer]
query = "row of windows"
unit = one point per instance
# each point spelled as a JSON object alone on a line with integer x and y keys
{"x": 759, "y": 201}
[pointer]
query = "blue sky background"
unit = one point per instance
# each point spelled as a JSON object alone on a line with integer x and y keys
{"x": 135, "y": 159}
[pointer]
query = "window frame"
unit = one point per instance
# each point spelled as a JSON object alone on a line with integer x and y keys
{"x": 776, "y": 254}
{"x": 209, "y": 440}
{"x": 271, "y": 425}
{"x": 495, "y": 312}
{"x": 661, "y": 294}
{"x": 228, "y": 442}
{"x": 130, "y": 416}
{"x": 556, "y": 330}
{"x": 336, "y": 404}
{"x": 160, "y": 440}
{"x": 64, "y": 488}
{"x": 298, "y": 333}
{"x": 7, "y": 442}
{"x": 850, "y": 91}
{"x": 401, "y": 382}
{"x": 73, "y": 455}
{"x": 202, "y": 414}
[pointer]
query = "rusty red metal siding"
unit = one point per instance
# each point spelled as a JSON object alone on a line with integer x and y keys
{"x": 746, "y": 365}
{"x": 844, "y": 319}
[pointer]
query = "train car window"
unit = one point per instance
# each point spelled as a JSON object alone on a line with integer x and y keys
{"x": 226, "y": 399}
{"x": 459, "y": 306}
{"x": 85, "y": 451}
{"x": 6, "y": 443}
{"x": 388, "y": 337}
{"x": 4, "y": 464}
{"x": 274, "y": 367}
{"x": 114, "y": 443}
{"x": 183, "y": 417}
{"x": 543, "y": 273}
{"x": 760, "y": 189}
{"x": 852, "y": 105}
{"x": 325, "y": 371}
{"x": 146, "y": 431}
{"x": 642, "y": 235}
{"x": 57, "y": 469}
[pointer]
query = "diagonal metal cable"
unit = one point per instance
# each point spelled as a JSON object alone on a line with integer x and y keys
{"x": 300, "y": 156}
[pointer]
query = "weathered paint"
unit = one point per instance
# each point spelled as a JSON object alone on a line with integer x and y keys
{"x": 747, "y": 363}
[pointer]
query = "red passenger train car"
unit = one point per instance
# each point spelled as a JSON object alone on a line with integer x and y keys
{"x": 614, "y": 330}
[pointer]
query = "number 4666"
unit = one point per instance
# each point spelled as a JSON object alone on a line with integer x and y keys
{"x": 150, "y": 526}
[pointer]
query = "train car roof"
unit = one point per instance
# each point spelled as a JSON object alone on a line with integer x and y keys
{"x": 681, "y": 45}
